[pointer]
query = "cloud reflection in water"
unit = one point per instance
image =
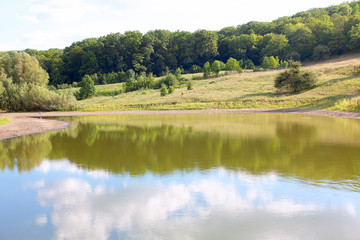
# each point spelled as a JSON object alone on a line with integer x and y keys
{"x": 223, "y": 203}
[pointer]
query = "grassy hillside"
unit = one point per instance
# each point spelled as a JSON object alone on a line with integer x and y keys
{"x": 338, "y": 89}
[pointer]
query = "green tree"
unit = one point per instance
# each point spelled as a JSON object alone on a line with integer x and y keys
{"x": 295, "y": 80}
{"x": 216, "y": 68}
{"x": 23, "y": 85}
{"x": 273, "y": 62}
{"x": 87, "y": 88}
{"x": 275, "y": 45}
{"x": 171, "y": 89}
{"x": 21, "y": 67}
{"x": 300, "y": 38}
{"x": 205, "y": 46}
{"x": 178, "y": 73}
{"x": 284, "y": 64}
{"x": 233, "y": 65}
{"x": 89, "y": 64}
{"x": 321, "y": 52}
{"x": 207, "y": 70}
{"x": 354, "y": 37}
{"x": 163, "y": 90}
{"x": 265, "y": 63}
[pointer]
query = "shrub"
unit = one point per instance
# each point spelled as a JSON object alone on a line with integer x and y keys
{"x": 189, "y": 85}
{"x": 87, "y": 88}
{"x": 207, "y": 70}
{"x": 23, "y": 86}
{"x": 216, "y": 68}
{"x": 233, "y": 65}
{"x": 130, "y": 85}
{"x": 284, "y": 64}
{"x": 248, "y": 64}
{"x": 178, "y": 73}
{"x": 171, "y": 90}
{"x": 30, "y": 97}
{"x": 295, "y": 80}
{"x": 171, "y": 80}
{"x": 163, "y": 90}
{"x": 321, "y": 52}
{"x": 195, "y": 69}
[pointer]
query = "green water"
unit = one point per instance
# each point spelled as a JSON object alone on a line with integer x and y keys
{"x": 208, "y": 176}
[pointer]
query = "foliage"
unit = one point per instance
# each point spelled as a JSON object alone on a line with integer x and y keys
{"x": 87, "y": 88}
{"x": 233, "y": 65}
{"x": 207, "y": 70}
{"x": 23, "y": 86}
{"x": 273, "y": 62}
{"x": 314, "y": 34}
{"x": 163, "y": 90}
{"x": 189, "y": 85}
{"x": 216, "y": 67}
{"x": 295, "y": 80}
{"x": 171, "y": 80}
{"x": 321, "y": 52}
{"x": 171, "y": 89}
{"x": 248, "y": 64}
{"x": 178, "y": 73}
{"x": 284, "y": 64}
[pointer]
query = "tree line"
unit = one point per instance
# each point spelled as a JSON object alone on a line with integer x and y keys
{"x": 315, "y": 34}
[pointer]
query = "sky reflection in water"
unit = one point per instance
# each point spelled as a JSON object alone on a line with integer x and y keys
{"x": 58, "y": 198}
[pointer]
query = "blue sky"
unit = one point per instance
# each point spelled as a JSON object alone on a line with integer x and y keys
{"x": 44, "y": 24}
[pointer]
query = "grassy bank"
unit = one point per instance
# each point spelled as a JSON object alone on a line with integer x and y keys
{"x": 338, "y": 89}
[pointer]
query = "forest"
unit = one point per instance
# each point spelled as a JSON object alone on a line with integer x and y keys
{"x": 315, "y": 34}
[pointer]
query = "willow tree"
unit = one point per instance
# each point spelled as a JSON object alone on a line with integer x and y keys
{"x": 23, "y": 85}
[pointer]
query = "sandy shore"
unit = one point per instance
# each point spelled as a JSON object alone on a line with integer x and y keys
{"x": 30, "y": 123}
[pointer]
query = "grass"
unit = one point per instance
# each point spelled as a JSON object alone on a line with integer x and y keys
{"x": 338, "y": 89}
{"x": 4, "y": 121}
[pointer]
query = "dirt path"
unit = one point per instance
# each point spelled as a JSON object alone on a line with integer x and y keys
{"x": 30, "y": 123}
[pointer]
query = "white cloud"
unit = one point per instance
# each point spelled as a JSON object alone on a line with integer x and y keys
{"x": 63, "y": 11}
{"x": 41, "y": 220}
{"x": 29, "y": 18}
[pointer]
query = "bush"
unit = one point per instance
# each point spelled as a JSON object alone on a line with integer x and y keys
{"x": 23, "y": 86}
{"x": 30, "y": 97}
{"x": 321, "y": 53}
{"x": 248, "y": 64}
{"x": 171, "y": 90}
{"x": 189, "y": 85}
{"x": 195, "y": 69}
{"x": 295, "y": 80}
{"x": 216, "y": 67}
{"x": 171, "y": 80}
{"x": 233, "y": 65}
{"x": 207, "y": 70}
{"x": 87, "y": 88}
{"x": 130, "y": 85}
{"x": 163, "y": 90}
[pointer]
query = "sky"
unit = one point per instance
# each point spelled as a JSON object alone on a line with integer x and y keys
{"x": 45, "y": 24}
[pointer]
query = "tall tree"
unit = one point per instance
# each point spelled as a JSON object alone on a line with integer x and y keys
{"x": 206, "y": 47}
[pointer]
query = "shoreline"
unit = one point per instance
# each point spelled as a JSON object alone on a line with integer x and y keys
{"x": 32, "y": 123}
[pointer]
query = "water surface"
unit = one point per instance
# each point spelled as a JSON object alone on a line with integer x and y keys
{"x": 193, "y": 176}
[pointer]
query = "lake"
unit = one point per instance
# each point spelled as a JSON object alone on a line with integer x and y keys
{"x": 184, "y": 176}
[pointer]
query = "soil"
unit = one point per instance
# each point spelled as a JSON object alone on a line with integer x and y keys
{"x": 31, "y": 123}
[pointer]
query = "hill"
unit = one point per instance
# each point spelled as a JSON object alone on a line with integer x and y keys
{"x": 338, "y": 89}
